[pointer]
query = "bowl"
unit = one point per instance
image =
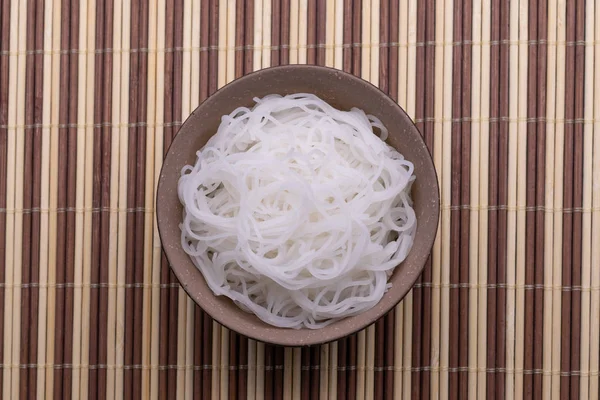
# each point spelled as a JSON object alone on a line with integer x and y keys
{"x": 342, "y": 91}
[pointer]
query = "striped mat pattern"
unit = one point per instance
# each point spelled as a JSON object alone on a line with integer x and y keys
{"x": 505, "y": 93}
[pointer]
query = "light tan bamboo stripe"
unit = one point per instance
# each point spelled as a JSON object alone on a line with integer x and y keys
{"x": 513, "y": 189}
{"x": 324, "y": 375}
{"x": 14, "y": 196}
{"x": 151, "y": 255}
{"x": 474, "y": 197}
{"x": 116, "y": 243}
{"x": 586, "y": 256}
{"x": 118, "y": 178}
{"x": 437, "y": 246}
{"x": 558, "y": 196}
{"x": 88, "y": 161}
{"x": 548, "y": 345}
{"x": 82, "y": 184}
{"x": 483, "y": 200}
{"x": 158, "y": 41}
{"x": 51, "y": 305}
{"x": 519, "y": 312}
{"x": 445, "y": 199}
{"x": 45, "y": 218}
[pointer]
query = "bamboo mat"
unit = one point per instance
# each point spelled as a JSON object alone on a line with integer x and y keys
{"x": 92, "y": 93}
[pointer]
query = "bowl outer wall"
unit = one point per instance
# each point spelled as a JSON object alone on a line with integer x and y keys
{"x": 342, "y": 91}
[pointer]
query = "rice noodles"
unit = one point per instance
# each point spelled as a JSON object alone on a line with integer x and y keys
{"x": 297, "y": 211}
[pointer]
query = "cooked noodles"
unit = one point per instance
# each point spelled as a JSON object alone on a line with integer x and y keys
{"x": 297, "y": 211}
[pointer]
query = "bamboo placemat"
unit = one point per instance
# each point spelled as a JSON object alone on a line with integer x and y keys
{"x": 505, "y": 94}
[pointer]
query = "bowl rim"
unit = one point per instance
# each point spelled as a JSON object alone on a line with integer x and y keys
{"x": 282, "y": 340}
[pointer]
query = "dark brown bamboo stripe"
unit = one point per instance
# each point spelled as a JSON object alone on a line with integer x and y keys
{"x": 97, "y": 325}
{"x": 269, "y": 372}
{"x": 4, "y": 58}
{"x": 341, "y": 365}
{"x": 393, "y": 54}
{"x": 204, "y": 43}
{"x": 140, "y": 198}
{"x": 311, "y": 35}
{"x": 530, "y": 227}
{"x": 502, "y": 239}
{"x": 249, "y": 37}
{"x": 351, "y": 367}
{"x": 568, "y": 188}
{"x": 130, "y": 235}
{"x": 240, "y": 21}
{"x": 70, "y": 198}
{"x": 305, "y": 389}
{"x": 61, "y": 257}
{"x": 465, "y": 199}
{"x": 31, "y": 198}
{"x": 242, "y": 386}
{"x": 213, "y": 42}
{"x": 538, "y": 333}
{"x": 384, "y": 52}
{"x": 135, "y": 199}
{"x": 278, "y": 379}
{"x": 233, "y": 363}
{"x": 105, "y": 155}
{"x": 207, "y": 355}
{"x": 276, "y": 20}
{"x": 356, "y": 28}
{"x": 315, "y": 372}
{"x": 36, "y": 202}
{"x": 26, "y": 234}
{"x": 455, "y": 230}
{"x": 284, "y": 54}
{"x": 535, "y": 196}
{"x": 347, "y": 52}
{"x": 320, "y": 26}
{"x": 577, "y": 199}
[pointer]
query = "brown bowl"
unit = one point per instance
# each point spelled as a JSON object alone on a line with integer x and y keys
{"x": 342, "y": 91}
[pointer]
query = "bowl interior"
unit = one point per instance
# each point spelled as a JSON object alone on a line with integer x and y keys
{"x": 342, "y": 91}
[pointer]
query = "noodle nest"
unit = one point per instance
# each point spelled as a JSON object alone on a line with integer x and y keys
{"x": 297, "y": 211}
